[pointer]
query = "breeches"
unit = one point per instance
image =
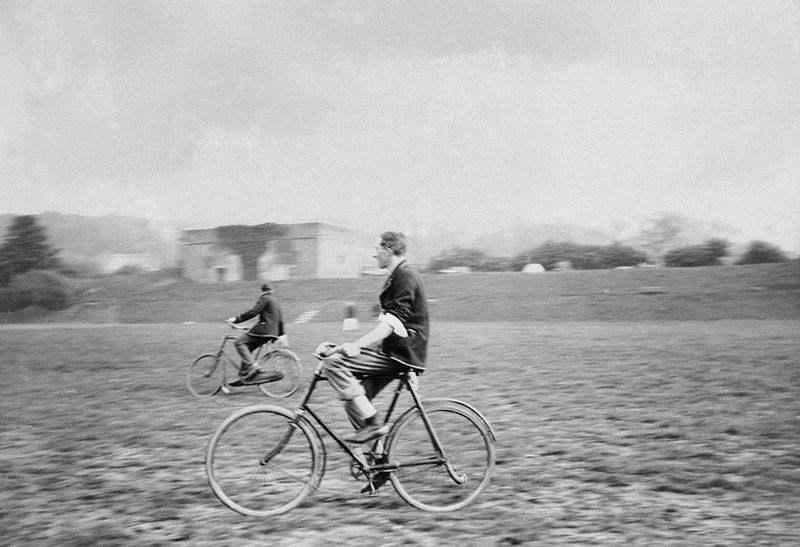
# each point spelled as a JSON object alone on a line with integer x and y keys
{"x": 366, "y": 374}
{"x": 245, "y": 344}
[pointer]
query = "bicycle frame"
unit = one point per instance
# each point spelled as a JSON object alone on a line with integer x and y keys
{"x": 403, "y": 383}
{"x": 220, "y": 353}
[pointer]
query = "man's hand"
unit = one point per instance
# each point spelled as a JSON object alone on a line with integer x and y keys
{"x": 283, "y": 341}
{"x": 350, "y": 349}
{"x": 231, "y": 320}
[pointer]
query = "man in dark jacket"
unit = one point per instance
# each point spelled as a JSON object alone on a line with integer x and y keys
{"x": 270, "y": 323}
{"x": 398, "y": 342}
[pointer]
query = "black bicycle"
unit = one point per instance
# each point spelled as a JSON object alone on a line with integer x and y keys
{"x": 208, "y": 374}
{"x": 265, "y": 460}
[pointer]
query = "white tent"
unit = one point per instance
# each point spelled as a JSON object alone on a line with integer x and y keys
{"x": 533, "y": 268}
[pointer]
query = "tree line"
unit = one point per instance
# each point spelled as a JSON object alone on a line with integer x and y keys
{"x": 32, "y": 274}
{"x": 561, "y": 255}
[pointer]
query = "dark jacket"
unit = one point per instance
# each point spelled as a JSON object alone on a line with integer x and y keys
{"x": 270, "y": 320}
{"x": 403, "y": 296}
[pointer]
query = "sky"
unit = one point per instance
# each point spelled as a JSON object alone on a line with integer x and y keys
{"x": 405, "y": 114}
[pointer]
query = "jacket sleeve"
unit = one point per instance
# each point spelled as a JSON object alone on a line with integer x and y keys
{"x": 252, "y": 312}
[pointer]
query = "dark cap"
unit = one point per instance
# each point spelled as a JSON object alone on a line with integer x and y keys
{"x": 265, "y": 286}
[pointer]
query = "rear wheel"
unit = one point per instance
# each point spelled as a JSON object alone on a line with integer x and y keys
{"x": 288, "y": 365}
{"x": 263, "y": 462}
{"x": 204, "y": 376}
{"x": 447, "y": 481}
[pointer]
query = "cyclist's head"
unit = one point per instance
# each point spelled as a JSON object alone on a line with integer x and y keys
{"x": 395, "y": 242}
{"x": 266, "y": 287}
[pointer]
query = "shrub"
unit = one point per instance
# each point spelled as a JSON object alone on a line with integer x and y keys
{"x": 761, "y": 252}
{"x": 474, "y": 259}
{"x": 129, "y": 269}
{"x": 11, "y": 300}
{"x": 79, "y": 269}
{"x": 42, "y": 288}
{"x": 707, "y": 254}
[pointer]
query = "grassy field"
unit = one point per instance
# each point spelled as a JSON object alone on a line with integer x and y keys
{"x": 770, "y": 291}
{"x": 670, "y": 433}
{"x": 633, "y": 407}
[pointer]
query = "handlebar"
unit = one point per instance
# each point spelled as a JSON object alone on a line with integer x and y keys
{"x": 327, "y": 349}
{"x": 269, "y": 337}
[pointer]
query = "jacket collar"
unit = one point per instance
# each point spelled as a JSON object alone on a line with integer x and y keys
{"x": 391, "y": 273}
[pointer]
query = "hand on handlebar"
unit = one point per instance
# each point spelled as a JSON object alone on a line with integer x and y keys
{"x": 329, "y": 349}
{"x": 350, "y": 349}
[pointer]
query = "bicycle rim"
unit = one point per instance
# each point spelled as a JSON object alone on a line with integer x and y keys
{"x": 287, "y": 363}
{"x": 468, "y": 448}
{"x": 204, "y": 376}
{"x": 260, "y": 464}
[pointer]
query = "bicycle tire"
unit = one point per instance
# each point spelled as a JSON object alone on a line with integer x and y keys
{"x": 288, "y": 364}
{"x": 204, "y": 375}
{"x": 467, "y": 443}
{"x": 239, "y": 475}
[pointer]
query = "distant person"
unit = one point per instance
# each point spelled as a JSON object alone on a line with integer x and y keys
{"x": 270, "y": 322}
{"x": 398, "y": 342}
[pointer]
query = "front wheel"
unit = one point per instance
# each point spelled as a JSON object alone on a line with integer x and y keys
{"x": 263, "y": 461}
{"x": 288, "y": 365}
{"x": 204, "y": 375}
{"x": 446, "y": 480}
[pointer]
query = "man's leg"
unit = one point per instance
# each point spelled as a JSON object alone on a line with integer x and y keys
{"x": 244, "y": 347}
{"x": 342, "y": 373}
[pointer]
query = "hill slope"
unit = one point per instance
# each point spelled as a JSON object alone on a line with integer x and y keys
{"x": 769, "y": 291}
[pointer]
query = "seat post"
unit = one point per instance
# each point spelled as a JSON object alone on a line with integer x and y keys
{"x": 402, "y": 381}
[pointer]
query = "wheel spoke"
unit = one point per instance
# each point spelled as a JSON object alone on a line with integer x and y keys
{"x": 275, "y": 483}
{"x": 288, "y": 365}
{"x": 204, "y": 376}
{"x": 454, "y": 479}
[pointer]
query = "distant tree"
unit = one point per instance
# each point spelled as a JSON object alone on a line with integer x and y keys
{"x": 618, "y": 255}
{"x": 761, "y": 252}
{"x": 249, "y": 242}
{"x": 43, "y": 288}
{"x": 717, "y": 247}
{"x": 25, "y": 249}
{"x": 707, "y": 254}
{"x": 581, "y": 257}
{"x": 547, "y": 254}
{"x": 661, "y": 232}
{"x": 474, "y": 259}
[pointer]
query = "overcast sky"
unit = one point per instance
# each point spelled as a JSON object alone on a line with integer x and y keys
{"x": 401, "y": 114}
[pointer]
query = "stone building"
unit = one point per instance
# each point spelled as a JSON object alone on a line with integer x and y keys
{"x": 313, "y": 250}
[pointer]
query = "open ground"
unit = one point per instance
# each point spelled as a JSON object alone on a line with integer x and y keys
{"x": 671, "y": 431}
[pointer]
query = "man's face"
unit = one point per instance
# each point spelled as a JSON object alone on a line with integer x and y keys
{"x": 382, "y": 256}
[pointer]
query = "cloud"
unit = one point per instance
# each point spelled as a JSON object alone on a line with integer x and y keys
{"x": 466, "y": 114}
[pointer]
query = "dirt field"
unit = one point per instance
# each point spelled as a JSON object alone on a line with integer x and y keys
{"x": 669, "y": 433}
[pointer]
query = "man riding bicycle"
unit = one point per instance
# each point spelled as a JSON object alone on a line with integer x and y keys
{"x": 398, "y": 342}
{"x": 270, "y": 323}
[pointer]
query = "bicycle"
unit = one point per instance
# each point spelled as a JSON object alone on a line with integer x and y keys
{"x": 208, "y": 375}
{"x": 264, "y": 460}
